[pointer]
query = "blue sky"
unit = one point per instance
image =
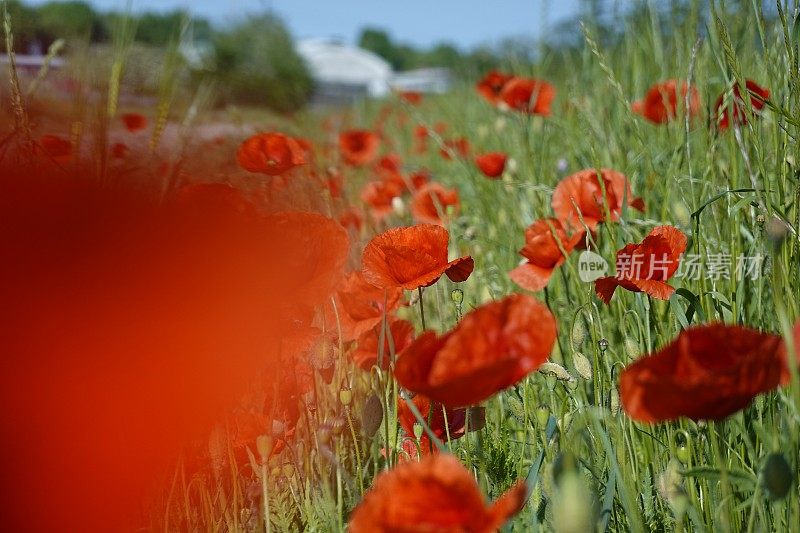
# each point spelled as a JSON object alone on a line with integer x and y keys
{"x": 420, "y": 22}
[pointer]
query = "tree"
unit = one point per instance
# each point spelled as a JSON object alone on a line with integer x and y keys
{"x": 256, "y": 63}
{"x": 68, "y": 20}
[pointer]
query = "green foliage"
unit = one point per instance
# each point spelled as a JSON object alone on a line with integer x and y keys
{"x": 256, "y": 63}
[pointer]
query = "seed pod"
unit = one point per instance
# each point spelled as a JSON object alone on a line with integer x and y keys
{"x": 603, "y": 345}
{"x": 372, "y": 416}
{"x": 345, "y": 397}
{"x": 457, "y": 295}
{"x": 582, "y": 365}
{"x": 418, "y": 430}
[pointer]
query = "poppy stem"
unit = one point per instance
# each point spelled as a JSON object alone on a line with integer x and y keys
{"x": 421, "y": 308}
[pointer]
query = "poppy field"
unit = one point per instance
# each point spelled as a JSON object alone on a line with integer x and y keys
{"x": 561, "y": 297}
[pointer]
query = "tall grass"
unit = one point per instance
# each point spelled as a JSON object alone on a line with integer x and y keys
{"x": 736, "y": 192}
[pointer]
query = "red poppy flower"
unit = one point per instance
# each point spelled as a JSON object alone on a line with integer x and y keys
{"x": 119, "y": 150}
{"x": 59, "y": 149}
{"x": 352, "y": 219}
{"x": 388, "y": 166}
{"x": 542, "y": 253}
{"x": 458, "y": 147}
{"x": 660, "y": 104}
{"x": 378, "y": 195}
{"x": 580, "y": 197}
{"x": 420, "y": 139}
{"x": 708, "y": 372}
{"x": 443, "y": 422}
{"x": 411, "y": 97}
{"x": 491, "y": 164}
{"x": 432, "y": 199}
{"x": 434, "y": 494}
{"x": 270, "y": 153}
{"x": 361, "y": 305}
{"x": 412, "y": 257}
{"x": 528, "y": 95}
{"x": 646, "y": 267}
{"x": 134, "y": 121}
{"x": 400, "y": 333}
{"x": 419, "y": 178}
{"x": 492, "y": 85}
{"x": 757, "y": 95}
{"x": 358, "y": 147}
{"x": 492, "y": 348}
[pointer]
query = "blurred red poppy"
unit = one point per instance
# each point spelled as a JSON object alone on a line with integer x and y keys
{"x": 528, "y": 95}
{"x": 378, "y": 195}
{"x": 388, "y": 166}
{"x": 544, "y": 241}
{"x": 492, "y": 348}
{"x": 758, "y": 95}
{"x": 708, "y": 372}
{"x": 432, "y": 201}
{"x": 358, "y": 147}
{"x": 361, "y": 305}
{"x": 119, "y": 150}
{"x": 270, "y": 153}
{"x": 411, "y": 97}
{"x": 491, "y": 164}
{"x": 661, "y": 103}
{"x": 412, "y": 257}
{"x": 443, "y": 422}
{"x": 646, "y": 267}
{"x": 455, "y": 148}
{"x": 134, "y": 121}
{"x": 400, "y": 333}
{"x": 492, "y": 85}
{"x": 57, "y": 148}
{"x": 420, "y": 139}
{"x": 352, "y": 219}
{"x": 434, "y": 494}
{"x": 579, "y": 198}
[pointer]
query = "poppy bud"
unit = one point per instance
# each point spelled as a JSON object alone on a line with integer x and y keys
{"x": 631, "y": 348}
{"x": 345, "y": 397}
{"x": 603, "y": 345}
{"x": 264, "y": 447}
{"x": 681, "y": 213}
{"x": 579, "y": 332}
{"x": 761, "y": 219}
{"x": 418, "y": 430}
{"x": 511, "y": 165}
{"x": 613, "y": 401}
{"x": 556, "y": 370}
{"x": 582, "y": 366}
{"x": 670, "y": 487}
{"x": 777, "y": 476}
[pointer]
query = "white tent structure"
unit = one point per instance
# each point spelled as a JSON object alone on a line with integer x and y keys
{"x": 342, "y": 72}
